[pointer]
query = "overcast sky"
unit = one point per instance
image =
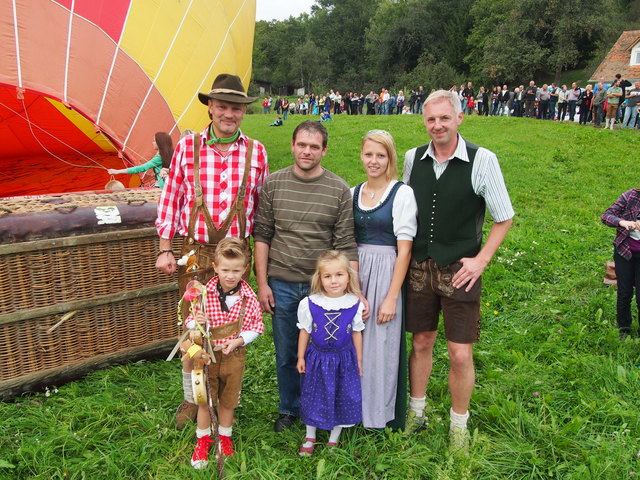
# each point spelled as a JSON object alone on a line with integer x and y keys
{"x": 281, "y": 9}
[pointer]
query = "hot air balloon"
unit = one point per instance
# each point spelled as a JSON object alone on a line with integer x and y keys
{"x": 85, "y": 84}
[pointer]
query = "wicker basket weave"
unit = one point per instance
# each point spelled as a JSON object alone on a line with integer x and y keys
{"x": 77, "y": 295}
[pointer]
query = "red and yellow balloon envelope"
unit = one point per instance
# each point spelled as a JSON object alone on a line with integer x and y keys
{"x": 85, "y": 84}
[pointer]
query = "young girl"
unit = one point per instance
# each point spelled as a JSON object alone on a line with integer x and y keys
{"x": 332, "y": 363}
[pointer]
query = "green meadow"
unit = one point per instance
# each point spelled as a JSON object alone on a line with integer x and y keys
{"x": 557, "y": 393}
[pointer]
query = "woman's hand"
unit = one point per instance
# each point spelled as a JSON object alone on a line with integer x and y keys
{"x": 387, "y": 310}
{"x": 629, "y": 225}
{"x": 114, "y": 171}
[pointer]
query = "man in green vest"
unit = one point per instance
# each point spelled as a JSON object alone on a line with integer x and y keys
{"x": 453, "y": 181}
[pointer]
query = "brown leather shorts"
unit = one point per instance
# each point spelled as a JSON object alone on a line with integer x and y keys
{"x": 430, "y": 290}
{"x": 225, "y": 377}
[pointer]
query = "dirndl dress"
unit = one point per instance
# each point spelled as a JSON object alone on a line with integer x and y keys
{"x": 384, "y": 380}
{"x": 330, "y": 393}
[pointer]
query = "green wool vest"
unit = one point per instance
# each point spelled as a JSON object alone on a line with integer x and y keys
{"x": 450, "y": 214}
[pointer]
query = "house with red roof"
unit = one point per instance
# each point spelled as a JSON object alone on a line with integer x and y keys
{"x": 623, "y": 58}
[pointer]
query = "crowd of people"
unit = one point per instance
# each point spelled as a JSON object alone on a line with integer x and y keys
{"x": 351, "y": 103}
{"x": 611, "y": 104}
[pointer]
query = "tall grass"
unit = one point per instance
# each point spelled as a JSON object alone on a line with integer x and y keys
{"x": 556, "y": 394}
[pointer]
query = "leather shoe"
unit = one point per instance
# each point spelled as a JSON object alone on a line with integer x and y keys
{"x": 185, "y": 414}
{"x": 283, "y": 422}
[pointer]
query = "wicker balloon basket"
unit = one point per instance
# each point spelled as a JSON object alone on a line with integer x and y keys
{"x": 78, "y": 286}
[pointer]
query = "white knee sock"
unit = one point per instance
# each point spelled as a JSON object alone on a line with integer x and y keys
{"x": 187, "y": 389}
{"x": 417, "y": 405}
{"x": 335, "y": 434}
{"x": 311, "y": 433}
{"x": 202, "y": 432}
{"x": 458, "y": 420}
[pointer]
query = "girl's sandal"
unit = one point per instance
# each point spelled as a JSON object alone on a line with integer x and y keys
{"x": 307, "y": 451}
{"x": 331, "y": 446}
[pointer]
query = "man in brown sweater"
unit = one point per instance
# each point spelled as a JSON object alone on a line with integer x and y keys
{"x": 303, "y": 211}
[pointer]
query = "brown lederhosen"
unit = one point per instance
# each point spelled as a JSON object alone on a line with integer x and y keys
{"x": 204, "y": 251}
{"x": 225, "y": 375}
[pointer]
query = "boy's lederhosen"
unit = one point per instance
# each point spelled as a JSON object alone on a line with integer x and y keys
{"x": 204, "y": 251}
{"x": 225, "y": 375}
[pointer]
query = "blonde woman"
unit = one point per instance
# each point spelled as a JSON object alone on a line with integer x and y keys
{"x": 385, "y": 223}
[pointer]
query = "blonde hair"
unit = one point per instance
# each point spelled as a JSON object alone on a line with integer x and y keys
{"x": 385, "y": 139}
{"x": 231, "y": 249}
{"x": 324, "y": 259}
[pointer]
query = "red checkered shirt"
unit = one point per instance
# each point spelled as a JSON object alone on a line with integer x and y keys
{"x": 253, "y": 313}
{"x": 220, "y": 178}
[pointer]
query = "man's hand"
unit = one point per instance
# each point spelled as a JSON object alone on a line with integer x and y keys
{"x": 471, "y": 270}
{"x": 166, "y": 263}
{"x": 265, "y": 296}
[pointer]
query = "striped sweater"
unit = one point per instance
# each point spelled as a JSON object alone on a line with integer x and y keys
{"x": 300, "y": 218}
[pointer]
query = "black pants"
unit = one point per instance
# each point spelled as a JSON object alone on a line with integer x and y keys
{"x": 628, "y": 276}
{"x": 543, "y": 109}
{"x": 562, "y": 110}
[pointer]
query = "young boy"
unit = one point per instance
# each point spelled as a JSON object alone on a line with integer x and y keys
{"x": 233, "y": 319}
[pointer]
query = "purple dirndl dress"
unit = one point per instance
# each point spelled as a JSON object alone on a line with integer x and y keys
{"x": 330, "y": 393}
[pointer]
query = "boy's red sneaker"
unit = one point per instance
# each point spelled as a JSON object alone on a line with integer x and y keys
{"x": 200, "y": 457}
{"x": 226, "y": 446}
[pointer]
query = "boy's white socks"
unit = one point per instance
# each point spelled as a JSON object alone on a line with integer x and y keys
{"x": 187, "y": 389}
{"x": 202, "y": 432}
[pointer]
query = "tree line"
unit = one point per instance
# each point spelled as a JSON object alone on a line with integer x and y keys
{"x": 362, "y": 45}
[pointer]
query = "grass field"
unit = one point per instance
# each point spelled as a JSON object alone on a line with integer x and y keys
{"x": 557, "y": 394}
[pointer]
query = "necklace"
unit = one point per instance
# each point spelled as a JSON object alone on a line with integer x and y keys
{"x": 373, "y": 194}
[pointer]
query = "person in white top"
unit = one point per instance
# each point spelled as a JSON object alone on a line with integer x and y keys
{"x": 385, "y": 219}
